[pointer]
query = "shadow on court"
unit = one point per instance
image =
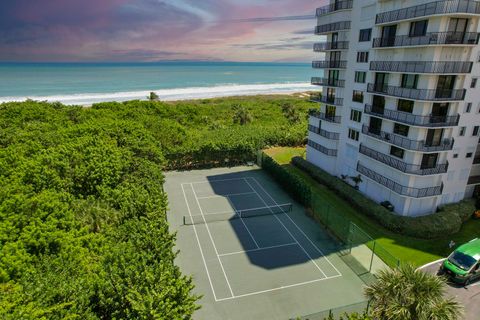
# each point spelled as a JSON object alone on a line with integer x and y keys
{"x": 268, "y": 228}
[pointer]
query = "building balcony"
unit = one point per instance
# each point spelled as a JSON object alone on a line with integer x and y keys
{"x": 316, "y": 97}
{"x": 328, "y": 82}
{"x": 476, "y": 160}
{"x": 402, "y": 166}
{"x": 339, "y": 64}
{"x": 333, "y": 7}
{"x": 474, "y": 180}
{"x": 398, "y": 188}
{"x": 405, "y": 143}
{"x": 418, "y": 94}
{"x": 430, "y": 39}
{"x": 322, "y": 149}
{"x": 323, "y": 116}
{"x": 412, "y": 119}
{"x": 324, "y": 133}
{"x": 439, "y": 67}
{"x": 429, "y": 9}
{"x": 332, "y": 27}
{"x": 327, "y": 46}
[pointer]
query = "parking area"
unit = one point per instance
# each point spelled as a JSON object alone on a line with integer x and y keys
{"x": 251, "y": 250}
{"x": 468, "y": 296}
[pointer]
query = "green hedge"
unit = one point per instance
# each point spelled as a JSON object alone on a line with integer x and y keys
{"x": 447, "y": 221}
{"x": 294, "y": 185}
{"x": 464, "y": 209}
{"x": 209, "y": 156}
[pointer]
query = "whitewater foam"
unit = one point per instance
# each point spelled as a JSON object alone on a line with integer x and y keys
{"x": 174, "y": 94}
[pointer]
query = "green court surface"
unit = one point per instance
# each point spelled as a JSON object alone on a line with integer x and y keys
{"x": 251, "y": 250}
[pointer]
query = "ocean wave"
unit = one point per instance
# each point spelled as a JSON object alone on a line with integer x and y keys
{"x": 174, "y": 94}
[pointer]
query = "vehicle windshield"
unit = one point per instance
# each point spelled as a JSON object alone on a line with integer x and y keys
{"x": 462, "y": 260}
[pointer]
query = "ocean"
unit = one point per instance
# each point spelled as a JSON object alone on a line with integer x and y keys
{"x": 87, "y": 83}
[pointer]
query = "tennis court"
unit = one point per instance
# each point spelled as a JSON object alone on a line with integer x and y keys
{"x": 251, "y": 250}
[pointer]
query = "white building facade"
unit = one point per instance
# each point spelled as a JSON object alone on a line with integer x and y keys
{"x": 400, "y": 101}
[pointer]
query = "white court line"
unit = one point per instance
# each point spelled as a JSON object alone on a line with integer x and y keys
{"x": 287, "y": 230}
{"x": 245, "y": 210}
{"x": 243, "y": 222}
{"x": 321, "y": 252}
{"x": 211, "y": 239}
{"x": 199, "y": 246}
{"x": 258, "y": 249}
{"x": 279, "y": 288}
{"x": 218, "y": 180}
{"x": 225, "y": 195}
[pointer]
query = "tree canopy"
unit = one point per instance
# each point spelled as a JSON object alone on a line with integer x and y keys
{"x": 83, "y": 225}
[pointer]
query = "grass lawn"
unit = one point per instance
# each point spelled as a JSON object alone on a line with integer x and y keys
{"x": 407, "y": 249}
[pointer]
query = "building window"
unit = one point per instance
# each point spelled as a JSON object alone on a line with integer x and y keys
{"x": 461, "y": 131}
{"x": 353, "y": 134}
{"x": 473, "y": 84}
{"x": 357, "y": 96}
{"x": 401, "y": 129}
{"x": 455, "y": 155}
{"x": 356, "y": 115}
{"x": 362, "y": 56}
{"x": 365, "y": 35}
{"x": 469, "y": 155}
{"x": 468, "y": 107}
{"x": 475, "y": 131}
{"x": 397, "y": 152}
{"x": 409, "y": 81}
{"x": 330, "y": 111}
{"x": 360, "y": 76}
{"x": 418, "y": 28}
{"x": 405, "y": 105}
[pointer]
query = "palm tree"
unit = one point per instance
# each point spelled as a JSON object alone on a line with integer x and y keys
{"x": 241, "y": 116}
{"x": 406, "y": 293}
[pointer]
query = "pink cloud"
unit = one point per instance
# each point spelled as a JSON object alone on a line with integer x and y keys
{"x": 72, "y": 30}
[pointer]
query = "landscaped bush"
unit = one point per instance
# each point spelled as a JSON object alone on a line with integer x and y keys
{"x": 445, "y": 222}
{"x": 464, "y": 209}
{"x": 295, "y": 186}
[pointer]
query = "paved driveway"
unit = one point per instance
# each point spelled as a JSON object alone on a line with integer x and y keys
{"x": 469, "y": 296}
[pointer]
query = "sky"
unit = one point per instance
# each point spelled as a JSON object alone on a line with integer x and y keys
{"x": 155, "y": 30}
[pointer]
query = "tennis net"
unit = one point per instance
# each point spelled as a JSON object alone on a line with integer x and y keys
{"x": 247, "y": 213}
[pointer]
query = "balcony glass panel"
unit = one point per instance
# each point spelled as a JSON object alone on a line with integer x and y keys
{"x": 402, "y": 166}
{"x": 413, "y": 119}
{"x": 406, "y": 143}
{"x": 418, "y": 94}
{"x": 398, "y": 188}
{"x": 428, "y": 9}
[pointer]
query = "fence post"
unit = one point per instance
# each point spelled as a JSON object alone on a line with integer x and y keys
{"x": 349, "y": 237}
{"x": 373, "y": 254}
{"x": 327, "y": 222}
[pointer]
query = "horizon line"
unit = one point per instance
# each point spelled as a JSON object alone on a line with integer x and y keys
{"x": 150, "y": 62}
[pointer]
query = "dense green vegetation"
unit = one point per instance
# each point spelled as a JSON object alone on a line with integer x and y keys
{"x": 407, "y": 249}
{"x": 295, "y": 186}
{"x": 83, "y": 227}
{"x": 405, "y": 293}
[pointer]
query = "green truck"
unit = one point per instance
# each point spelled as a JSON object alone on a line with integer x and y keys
{"x": 463, "y": 265}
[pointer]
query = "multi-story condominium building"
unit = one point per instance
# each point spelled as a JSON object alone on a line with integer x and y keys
{"x": 400, "y": 101}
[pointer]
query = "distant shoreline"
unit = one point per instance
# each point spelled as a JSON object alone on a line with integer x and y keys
{"x": 177, "y": 94}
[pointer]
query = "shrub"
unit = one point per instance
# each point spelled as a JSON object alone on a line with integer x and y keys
{"x": 463, "y": 209}
{"x": 445, "y": 222}
{"x": 295, "y": 186}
